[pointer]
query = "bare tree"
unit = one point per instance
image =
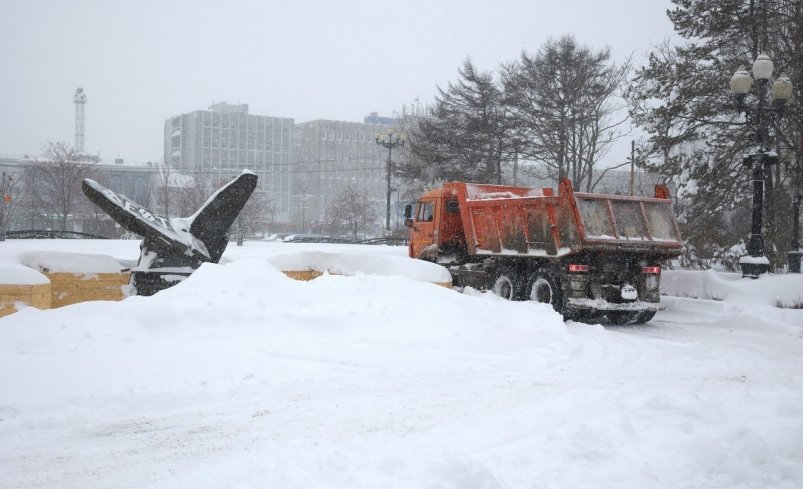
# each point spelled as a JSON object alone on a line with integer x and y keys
{"x": 253, "y": 218}
{"x": 191, "y": 193}
{"x": 55, "y": 184}
{"x": 164, "y": 187}
{"x": 9, "y": 190}
{"x": 562, "y": 101}
{"x": 351, "y": 212}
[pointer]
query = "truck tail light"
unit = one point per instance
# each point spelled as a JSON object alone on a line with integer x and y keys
{"x": 574, "y": 268}
{"x": 651, "y": 270}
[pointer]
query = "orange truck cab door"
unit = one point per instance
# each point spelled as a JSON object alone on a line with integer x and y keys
{"x": 424, "y": 230}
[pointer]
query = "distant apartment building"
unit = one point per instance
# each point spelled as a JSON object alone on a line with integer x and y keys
{"x": 333, "y": 155}
{"x": 221, "y": 142}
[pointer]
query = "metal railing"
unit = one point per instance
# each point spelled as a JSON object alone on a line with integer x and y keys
{"x": 50, "y": 234}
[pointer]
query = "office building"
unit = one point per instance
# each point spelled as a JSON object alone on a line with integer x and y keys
{"x": 333, "y": 155}
{"x": 220, "y": 142}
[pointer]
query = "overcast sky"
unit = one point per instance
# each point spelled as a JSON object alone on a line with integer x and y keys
{"x": 142, "y": 61}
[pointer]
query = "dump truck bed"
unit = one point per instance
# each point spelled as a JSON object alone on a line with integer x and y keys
{"x": 506, "y": 220}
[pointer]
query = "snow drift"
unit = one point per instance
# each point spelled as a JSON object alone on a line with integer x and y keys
{"x": 241, "y": 377}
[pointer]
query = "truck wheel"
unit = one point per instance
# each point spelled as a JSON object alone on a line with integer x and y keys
{"x": 544, "y": 287}
{"x": 505, "y": 283}
{"x": 622, "y": 317}
{"x": 645, "y": 316}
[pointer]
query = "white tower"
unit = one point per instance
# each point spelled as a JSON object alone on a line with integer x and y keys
{"x": 80, "y": 100}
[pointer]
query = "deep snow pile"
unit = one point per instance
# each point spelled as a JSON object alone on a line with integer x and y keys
{"x": 241, "y": 377}
{"x": 773, "y": 290}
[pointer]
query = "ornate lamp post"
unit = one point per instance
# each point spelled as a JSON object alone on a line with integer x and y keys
{"x": 755, "y": 264}
{"x": 794, "y": 255}
{"x": 390, "y": 140}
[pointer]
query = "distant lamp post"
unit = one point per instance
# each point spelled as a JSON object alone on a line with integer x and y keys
{"x": 755, "y": 263}
{"x": 390, "y": 140}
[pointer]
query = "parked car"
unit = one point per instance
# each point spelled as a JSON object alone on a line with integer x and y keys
{"x": 316, "y": 238}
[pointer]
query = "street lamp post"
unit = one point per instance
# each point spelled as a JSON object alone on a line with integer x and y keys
{"x": 755, "y": 263}
{"x": 794, "y": 255}
{"x": 396, "y": 211}
{"x": 398, "y": 197}
{"x": 389, "y": 140}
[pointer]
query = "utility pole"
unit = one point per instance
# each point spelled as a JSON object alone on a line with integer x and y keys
{"x": 632, "y": 166}
{"x": 389, "y": 140}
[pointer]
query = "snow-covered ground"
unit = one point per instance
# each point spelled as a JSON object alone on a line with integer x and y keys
{"x": 242, "y": 378}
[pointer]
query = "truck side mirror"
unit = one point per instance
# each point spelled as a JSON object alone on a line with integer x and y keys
{"x": 452, "y": 207}
{"x": 408, "y": 215}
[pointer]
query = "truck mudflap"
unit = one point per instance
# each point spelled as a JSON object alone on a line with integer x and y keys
{"x": 603, "y": 305}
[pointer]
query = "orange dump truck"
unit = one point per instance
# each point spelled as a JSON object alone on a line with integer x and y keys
{"x": 586, "y": 254}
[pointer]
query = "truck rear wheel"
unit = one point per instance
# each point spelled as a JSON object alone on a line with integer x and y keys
{"x": 506, "y": 283}
{"x": 544, "y": 287}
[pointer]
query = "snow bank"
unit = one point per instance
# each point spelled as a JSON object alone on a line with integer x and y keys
{"x": 356, "y": 263}
{"x": 774, "y": 290}
{"x": 123, "y": 250}
{"x": 17, "y": 274}
{"x": 65, "y": 262}
{"x": 247, "y": 319}
{"x": 241, "y": 377}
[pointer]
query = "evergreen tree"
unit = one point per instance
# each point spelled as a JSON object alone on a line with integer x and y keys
{"x": 463, "y": 136}
{"x": 698, "y": 139}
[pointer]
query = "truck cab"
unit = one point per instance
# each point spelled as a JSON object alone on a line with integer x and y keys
{"x": 436, "y": 227}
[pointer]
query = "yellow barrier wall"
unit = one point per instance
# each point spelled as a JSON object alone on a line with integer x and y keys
{"x": 33, "y": 295}
{"x": 70, "y": 288}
